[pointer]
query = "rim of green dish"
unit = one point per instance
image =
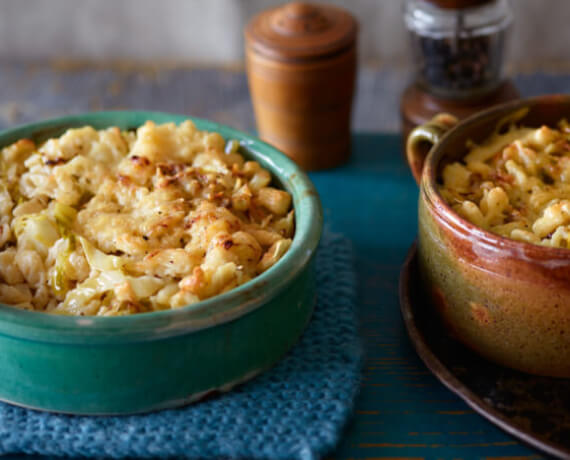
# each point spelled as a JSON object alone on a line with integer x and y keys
{"x": 40, "y": 326}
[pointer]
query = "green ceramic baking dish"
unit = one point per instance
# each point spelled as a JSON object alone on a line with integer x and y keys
{"x": 150, "y": 361}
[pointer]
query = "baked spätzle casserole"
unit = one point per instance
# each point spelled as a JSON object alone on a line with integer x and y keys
{"x": 113, "y": 223}
{"x": 515, "y": 184}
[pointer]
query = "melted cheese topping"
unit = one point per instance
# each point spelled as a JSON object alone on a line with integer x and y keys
{"x": 516, "y": 184}
{"x": 112, "y": 223}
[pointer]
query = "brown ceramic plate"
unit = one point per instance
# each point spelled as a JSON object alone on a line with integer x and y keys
{"x": 534, "y": 409}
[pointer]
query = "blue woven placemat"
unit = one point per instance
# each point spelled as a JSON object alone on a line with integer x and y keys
{"x": 297, "y": 410}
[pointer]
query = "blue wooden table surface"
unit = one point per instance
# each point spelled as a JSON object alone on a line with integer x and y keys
{"x": 402, "y": 410}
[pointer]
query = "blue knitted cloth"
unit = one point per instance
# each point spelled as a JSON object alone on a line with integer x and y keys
{"x": 297, "y": 410}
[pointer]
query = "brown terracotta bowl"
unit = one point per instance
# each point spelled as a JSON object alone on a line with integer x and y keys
{"x": 507, "y": 300}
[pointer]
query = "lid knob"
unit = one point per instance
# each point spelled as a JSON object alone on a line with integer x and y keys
{"x": 300, "y": 10}
{"x": 299, "y": 18}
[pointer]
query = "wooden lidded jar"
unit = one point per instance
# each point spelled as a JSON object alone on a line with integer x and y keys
{"x": 301, "y": 67}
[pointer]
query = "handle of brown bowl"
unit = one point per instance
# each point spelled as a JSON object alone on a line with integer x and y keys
{"x": 423, "y": 138}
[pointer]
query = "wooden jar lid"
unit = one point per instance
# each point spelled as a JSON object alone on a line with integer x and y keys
{"x": 301, "y": 31}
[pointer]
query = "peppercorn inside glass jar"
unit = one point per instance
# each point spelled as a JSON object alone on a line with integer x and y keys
{"x": 458, "y": 47}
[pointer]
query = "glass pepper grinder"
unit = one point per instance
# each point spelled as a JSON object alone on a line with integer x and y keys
{"x": 458, "y": 49}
